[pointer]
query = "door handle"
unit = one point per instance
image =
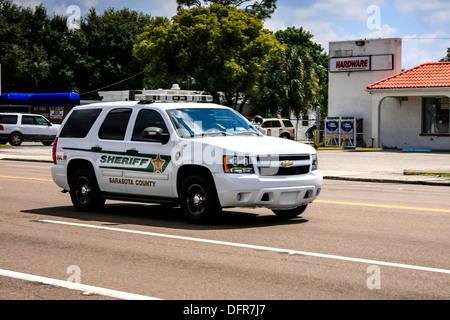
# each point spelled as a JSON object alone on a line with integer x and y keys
{"x": 132, "y": 151}
{"x": 96, "y": 148}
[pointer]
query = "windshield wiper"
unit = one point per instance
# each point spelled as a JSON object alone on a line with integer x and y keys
{"x": 247, "y": 133}
{"x": 216, "y": 132}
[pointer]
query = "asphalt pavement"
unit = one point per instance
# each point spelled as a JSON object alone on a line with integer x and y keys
{"x": 391, "y": 166}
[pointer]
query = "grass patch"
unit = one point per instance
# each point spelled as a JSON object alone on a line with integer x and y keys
{"x": 6, "y": 146}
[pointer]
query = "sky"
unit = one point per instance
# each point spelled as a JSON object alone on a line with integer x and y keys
{"x": 423, "y": 25}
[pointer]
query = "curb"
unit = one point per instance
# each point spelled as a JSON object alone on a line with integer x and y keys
{"x": 429, "y": 183}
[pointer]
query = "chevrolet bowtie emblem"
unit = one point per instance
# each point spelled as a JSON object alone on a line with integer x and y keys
{"x": 287, "y": 164}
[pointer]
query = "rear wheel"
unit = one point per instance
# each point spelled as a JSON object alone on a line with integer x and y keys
{"x": 15, "y": 139}
{"x": 290, "y": 213}
{"x": 84, "y": 191}
{"x": 199, "y": 201}
{"x": 47, "y": 142}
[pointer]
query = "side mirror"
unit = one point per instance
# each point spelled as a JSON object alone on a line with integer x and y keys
{"x": 258, "y": 120}
{"x": 155, "y": 134}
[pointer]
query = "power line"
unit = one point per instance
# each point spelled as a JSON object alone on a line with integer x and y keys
{"x": 137, "y": 74}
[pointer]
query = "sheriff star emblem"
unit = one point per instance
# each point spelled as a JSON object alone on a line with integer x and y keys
{"x": 158, "y": 164}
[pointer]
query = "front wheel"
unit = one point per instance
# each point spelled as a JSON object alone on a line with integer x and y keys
{"x": 290, "y": 213}
{"x": 198, "y": 199}
{"x": 84, "y": 191}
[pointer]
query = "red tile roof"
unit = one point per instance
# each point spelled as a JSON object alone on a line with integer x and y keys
{"x": 426, "y": 75}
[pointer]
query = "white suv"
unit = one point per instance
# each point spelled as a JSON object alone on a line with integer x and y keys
{"x": 201, "y": 156}
{"x": 17, "y": 127}
{"x": 276, "y": 127}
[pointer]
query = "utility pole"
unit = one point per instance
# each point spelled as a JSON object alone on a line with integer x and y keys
{"x": 317, "y": 135}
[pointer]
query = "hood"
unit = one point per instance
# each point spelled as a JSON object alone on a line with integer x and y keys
{"x": 253, "y": 145}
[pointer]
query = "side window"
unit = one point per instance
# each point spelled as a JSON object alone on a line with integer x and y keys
{"x": 79, "y": 123}
{"x": 147, "y": 118}
{"x": 8, "y": 119}
{"x": 115, "y": 124}
{"x": 287, "y": 123}
{"x": 42, "y": 121}
{"x": 29, "y": 120}
{"x": 272, "y": 124}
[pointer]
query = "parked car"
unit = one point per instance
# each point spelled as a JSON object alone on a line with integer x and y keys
{"x": 276, "y": 127}
{"x": 18, "y": 127}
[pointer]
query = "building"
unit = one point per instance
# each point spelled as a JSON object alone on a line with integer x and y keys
{"x": 353, "y": 66}
{"x": 417, "y": 115}
{"x": 398, "y": 109}
{"x": 53, "y": 106}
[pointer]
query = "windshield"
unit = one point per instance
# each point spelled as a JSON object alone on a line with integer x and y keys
{"x": 193, "y": 122}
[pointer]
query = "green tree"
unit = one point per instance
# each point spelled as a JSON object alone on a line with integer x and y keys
{"x": 104, "y": 51}
{"x": 261, "y": 9}
{"x": 30, "y": 47}
{"x": 221, "y": 48}
{"x": 302, "y": 40}
{"x": 288, "y": 84}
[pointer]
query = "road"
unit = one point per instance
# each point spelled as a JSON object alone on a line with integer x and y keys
{"x": 358, "y": 241}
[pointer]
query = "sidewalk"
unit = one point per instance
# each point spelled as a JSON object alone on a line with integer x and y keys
{"x": 373, "y": 166}
{"x": 385, "y": 166}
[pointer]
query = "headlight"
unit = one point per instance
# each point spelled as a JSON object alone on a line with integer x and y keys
{"x": 315, "y": 162}
{"x": 237, "y": 164}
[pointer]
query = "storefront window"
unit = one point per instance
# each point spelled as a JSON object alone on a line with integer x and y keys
{"x": 435, "y": 119}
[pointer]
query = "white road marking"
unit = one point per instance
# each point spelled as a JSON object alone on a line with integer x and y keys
{"x": 256, "y": 247}
{"x": 74, "y": 286}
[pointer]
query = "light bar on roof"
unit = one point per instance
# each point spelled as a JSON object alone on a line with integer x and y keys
{"x": 174, "y": 97}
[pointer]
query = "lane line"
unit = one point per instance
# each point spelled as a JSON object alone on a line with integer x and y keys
{"x": 382, "y": 206}
{"x": 25, "y": 178}
{"x": 74, "y": 286}
{"x": 249, "y": 246}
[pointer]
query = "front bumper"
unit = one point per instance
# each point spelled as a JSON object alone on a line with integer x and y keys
{"x": 251, "y": 190}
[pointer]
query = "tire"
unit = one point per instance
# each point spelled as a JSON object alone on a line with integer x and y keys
{"x": 285, "y": 136}
{"x": 198, "y": 200}
{"x": 84, "y": 191}
{"x": 47, "y": 142}
{"x": 290, "y": 213}
{"x": 3, "y": 141}
{"x": 15, "y": 139}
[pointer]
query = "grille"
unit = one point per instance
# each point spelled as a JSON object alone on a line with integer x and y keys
{"x": 284, "y": 165}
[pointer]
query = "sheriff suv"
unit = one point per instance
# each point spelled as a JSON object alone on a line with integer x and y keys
{"x": 200, "y": 156}
{"x": 17, "y": 127}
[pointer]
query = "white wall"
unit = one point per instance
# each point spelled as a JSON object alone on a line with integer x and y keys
{"x": 347, "y": 95}
{"x": 401, "y": 119}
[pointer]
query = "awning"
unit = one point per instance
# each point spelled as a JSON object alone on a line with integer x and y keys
{"x": 41, "y": 99}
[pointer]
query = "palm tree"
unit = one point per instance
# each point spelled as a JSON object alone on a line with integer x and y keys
{"x": 288, "y": 84}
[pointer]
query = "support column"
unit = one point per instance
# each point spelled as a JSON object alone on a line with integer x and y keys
{"x": 376, "y": 119}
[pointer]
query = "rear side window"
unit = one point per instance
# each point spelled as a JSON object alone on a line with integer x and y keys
{"x": 287, "y": 123}
{"x": 79, "y": 123}
{"x": 8, "y": 119}
{"x": 29, "y": 120}
{"x": 115, "y": 124}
